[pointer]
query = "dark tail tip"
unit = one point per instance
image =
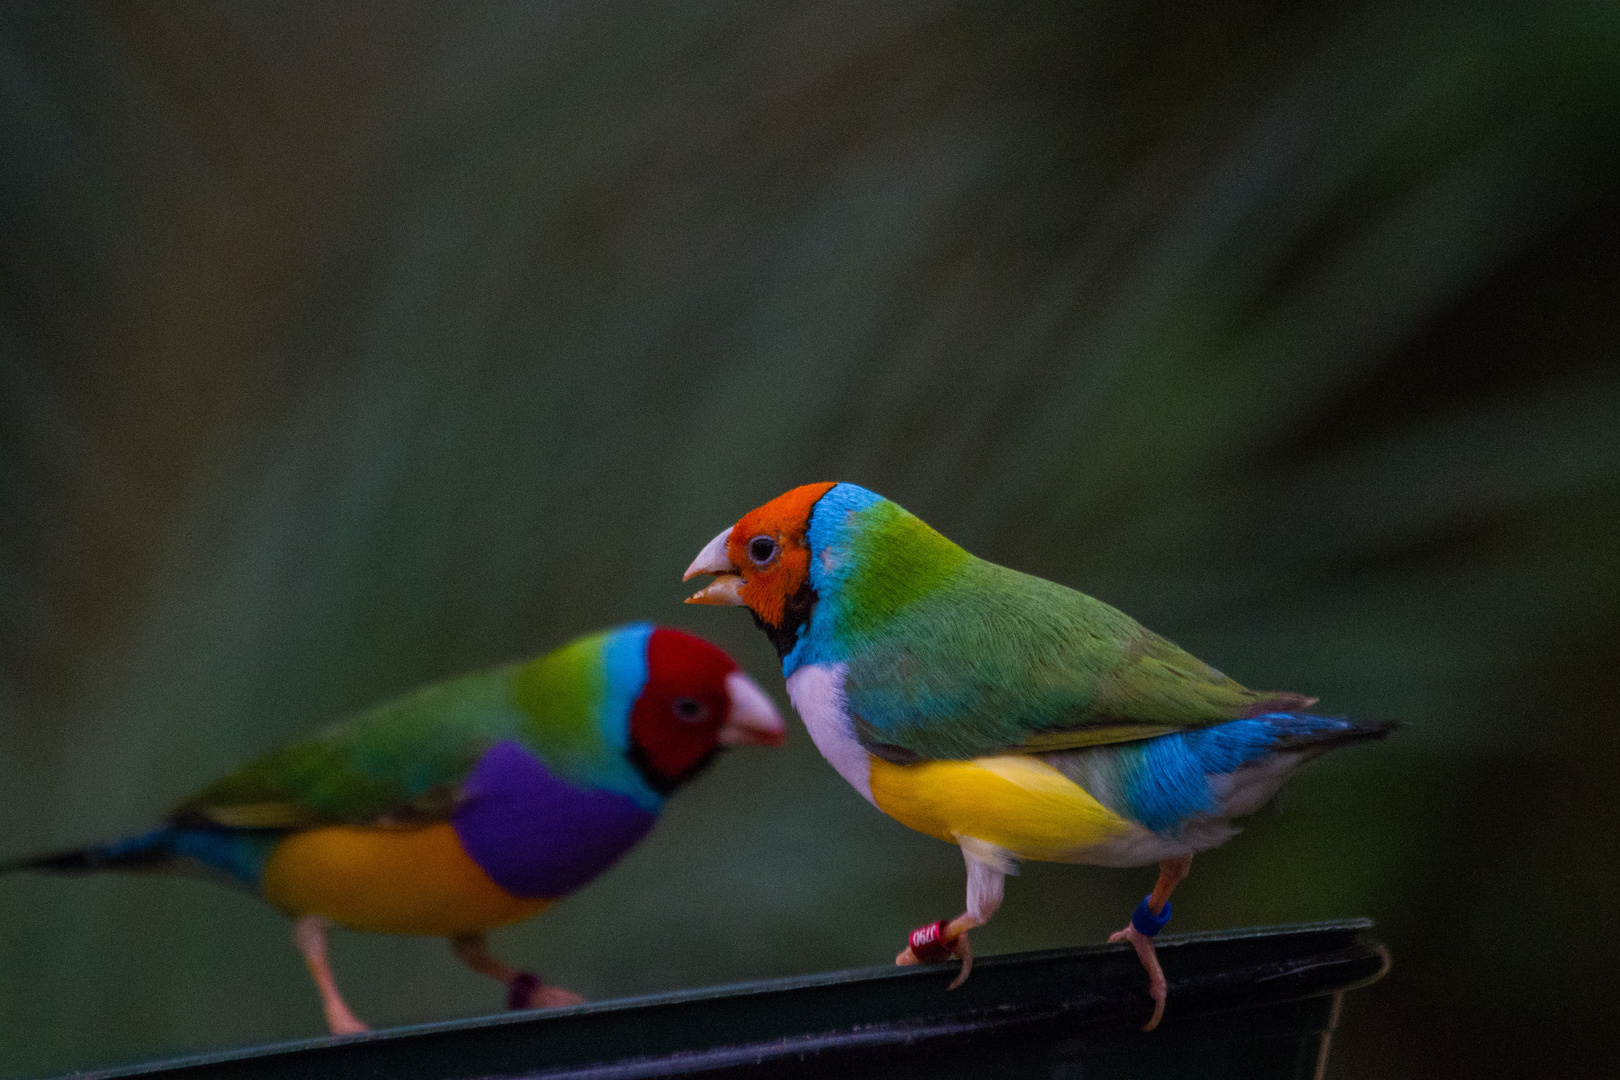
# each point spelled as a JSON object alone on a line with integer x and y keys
{"x": 1373, "y": 729}
{"x": 135, "y": 853}
{"x": 61, "y": 862}
{"x": 1331, "y": 738}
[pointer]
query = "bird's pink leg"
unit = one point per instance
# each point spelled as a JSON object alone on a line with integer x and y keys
{"x": 523, "y": 990}
{"x": 939, "y": 941}
{"x": 310, "y": 933}
{"x": 1171, "y": 874}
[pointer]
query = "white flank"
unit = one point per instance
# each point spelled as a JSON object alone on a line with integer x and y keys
{"x": 1251, "y": 787}
{"x": 817, "y": 692}
{"x": 994, "y": 856}
{"x": 1140, "y": 847}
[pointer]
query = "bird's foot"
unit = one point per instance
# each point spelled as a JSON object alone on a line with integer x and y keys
{"x": 343, "y": 1022}
{"x": 1147, "y": 920}
{"x": 526, "y": 991}
{"x": 936, "y": 943}
{"x": 523, "y": 990}
{"x": 1158, "y": 988}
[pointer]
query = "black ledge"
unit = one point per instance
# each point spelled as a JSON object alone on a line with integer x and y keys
{"x": 1245, "y": 1003}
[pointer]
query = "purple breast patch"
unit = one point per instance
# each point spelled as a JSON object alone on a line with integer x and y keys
{"x": 539, "y": 836}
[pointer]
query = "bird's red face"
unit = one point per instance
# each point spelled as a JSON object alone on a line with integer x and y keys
{"x": 694, "y": 702}
{"x": 763, "y": 561}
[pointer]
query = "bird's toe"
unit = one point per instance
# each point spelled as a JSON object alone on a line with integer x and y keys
{"x": 555, "y": 997}
{"x": 1160, "y": 992}
{"x": 344, "y": 1022}
{"x": 526, "y": 991}
{"x": 1148, "y": 956}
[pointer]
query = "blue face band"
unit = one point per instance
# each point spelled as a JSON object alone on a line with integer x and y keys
{"x": 1148, "y": 924}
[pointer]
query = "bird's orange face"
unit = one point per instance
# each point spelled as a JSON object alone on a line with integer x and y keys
{"x": 763, "y": 561}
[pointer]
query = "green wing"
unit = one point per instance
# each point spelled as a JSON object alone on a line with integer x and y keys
{"x": 400, "y": 763}
{"x": 993, "y": 661}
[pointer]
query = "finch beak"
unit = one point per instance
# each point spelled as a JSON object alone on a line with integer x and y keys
{"x": 753, "y": 720}
{"x": 726, "y": 588}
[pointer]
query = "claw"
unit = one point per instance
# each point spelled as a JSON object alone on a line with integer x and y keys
{"x": 963, "y": 948}
{"x": 1158, "y": 988}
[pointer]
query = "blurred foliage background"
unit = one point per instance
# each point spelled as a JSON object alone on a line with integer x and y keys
{"x": 343, "y": 347}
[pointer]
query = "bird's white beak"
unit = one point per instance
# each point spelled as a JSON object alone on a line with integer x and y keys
{"x": 726, "y": 588}
{"x": 753, "y": 719}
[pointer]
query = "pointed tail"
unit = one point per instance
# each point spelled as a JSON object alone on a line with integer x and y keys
{"x": 1319, "y": 734}
{"x": 233, "y": 855}
{"x": 149, "y": 851}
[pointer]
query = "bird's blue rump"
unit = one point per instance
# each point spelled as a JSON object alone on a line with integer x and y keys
{"x": 1163, "y": 782}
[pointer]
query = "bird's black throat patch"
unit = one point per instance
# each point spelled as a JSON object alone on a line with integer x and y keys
{"x": 795, "y": 613}
{"x": 663, "y": 783}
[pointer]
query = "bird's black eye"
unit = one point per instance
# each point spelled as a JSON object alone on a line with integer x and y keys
{"x": 762, "y": 549}
{"x": 689, "y": 710}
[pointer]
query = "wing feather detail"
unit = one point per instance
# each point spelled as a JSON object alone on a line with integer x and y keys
{"x": 993, "y": 661}
{"x": 400, "y": 764}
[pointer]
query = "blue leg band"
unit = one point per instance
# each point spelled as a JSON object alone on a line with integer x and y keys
{"x": 1148, "y": 924}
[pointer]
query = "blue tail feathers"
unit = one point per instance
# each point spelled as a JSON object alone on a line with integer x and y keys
{"x": 1165, "y": 781}
{"x": 237, "y": 855}
{"x": 1172, "y": 780}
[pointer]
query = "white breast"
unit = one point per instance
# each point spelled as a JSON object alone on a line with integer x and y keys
{"x": 817, "y": 692}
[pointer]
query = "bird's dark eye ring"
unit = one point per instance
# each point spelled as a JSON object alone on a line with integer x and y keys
{"x": 762, "y": 549}
{"x": 689, "y": 710}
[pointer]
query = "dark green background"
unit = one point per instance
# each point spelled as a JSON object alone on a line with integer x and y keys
{"x": 347, "y": 346}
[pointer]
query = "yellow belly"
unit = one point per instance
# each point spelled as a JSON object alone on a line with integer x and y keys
{"x": 389, "y": 881}
{"x": 1016, "y": 802}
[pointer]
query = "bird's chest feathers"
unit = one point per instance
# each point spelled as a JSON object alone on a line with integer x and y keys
{"x": 536, "y": 834}
{"x": 817, "y": 692}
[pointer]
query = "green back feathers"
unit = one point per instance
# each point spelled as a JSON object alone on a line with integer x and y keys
{"x": 949, "y": 656}
{"x": 398, "y": 761}
{"x": 401, "y": 762}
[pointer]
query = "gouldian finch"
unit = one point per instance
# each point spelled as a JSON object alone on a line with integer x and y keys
{"x": 1007, "y": 714}
{"x": 463, "y": 806}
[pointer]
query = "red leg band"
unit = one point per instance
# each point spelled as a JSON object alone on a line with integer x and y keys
{"x": 521, "y": 990}
{"x": 928, "y": 943}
